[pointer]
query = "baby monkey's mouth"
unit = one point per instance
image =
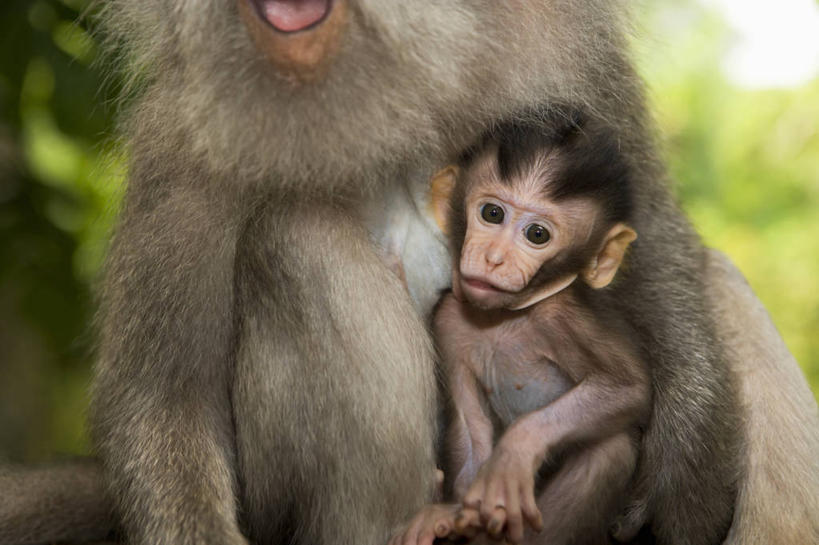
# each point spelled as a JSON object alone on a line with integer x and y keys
{"x": 479, "y": 285}
{"x": 292, "y": 15}
{"x": 482, "y": 285}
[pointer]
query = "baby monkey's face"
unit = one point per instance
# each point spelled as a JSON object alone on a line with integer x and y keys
{"x": 519, "y": 245}
{"x": 512, "y": 231}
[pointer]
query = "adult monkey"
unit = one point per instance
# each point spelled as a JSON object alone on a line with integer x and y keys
{"x": 261, "y": 369}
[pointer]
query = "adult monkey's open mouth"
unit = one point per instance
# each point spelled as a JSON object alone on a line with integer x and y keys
{"x": 298, "y": 37}
{"x": 293, "y": 15}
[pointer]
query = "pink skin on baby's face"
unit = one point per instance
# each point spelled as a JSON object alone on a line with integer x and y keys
{"x": 512, "y": 230}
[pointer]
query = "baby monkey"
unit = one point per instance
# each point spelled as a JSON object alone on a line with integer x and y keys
{"x": 548, "y": 386}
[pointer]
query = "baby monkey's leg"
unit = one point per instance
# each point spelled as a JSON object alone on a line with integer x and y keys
{"x": 582, "y": 498}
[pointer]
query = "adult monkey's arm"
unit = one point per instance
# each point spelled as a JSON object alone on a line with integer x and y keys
{"x": 160, "y": 413}
{"x": 778, "y": 499}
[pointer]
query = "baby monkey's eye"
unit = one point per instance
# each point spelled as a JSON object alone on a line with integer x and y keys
{"x": 492, "y": 213}
{"x": 537, "y": 234}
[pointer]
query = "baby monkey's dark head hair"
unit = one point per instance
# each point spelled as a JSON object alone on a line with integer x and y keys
{"x": 576, "y": 156}
{"x": 539, "y": 201}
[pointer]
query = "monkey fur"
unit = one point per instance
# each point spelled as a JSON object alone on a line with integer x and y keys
{"x": 263, "y": 377}
{"x": 537, "y": 213}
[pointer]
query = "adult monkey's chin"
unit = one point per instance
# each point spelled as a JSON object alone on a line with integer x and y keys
{"x": 298, "y": 37}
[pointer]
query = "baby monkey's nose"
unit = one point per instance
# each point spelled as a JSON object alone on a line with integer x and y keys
{"x": 495, "y": 254}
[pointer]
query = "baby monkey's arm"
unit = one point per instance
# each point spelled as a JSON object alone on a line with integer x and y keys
{"x": 502, "y": 494}
{"x": 470, "y": 432}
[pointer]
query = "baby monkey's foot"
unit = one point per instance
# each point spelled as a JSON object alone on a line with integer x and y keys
{"x": 431, "y": 522}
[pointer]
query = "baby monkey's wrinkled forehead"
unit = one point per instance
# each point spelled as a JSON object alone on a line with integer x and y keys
{"x": 563, "y": 154}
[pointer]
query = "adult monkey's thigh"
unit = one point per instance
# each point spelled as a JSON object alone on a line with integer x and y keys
{"x": 334, "y": 391}
{"x": 779, "y": 489}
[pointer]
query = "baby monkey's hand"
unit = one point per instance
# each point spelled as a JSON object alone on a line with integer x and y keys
{"x": 502, "y": 497}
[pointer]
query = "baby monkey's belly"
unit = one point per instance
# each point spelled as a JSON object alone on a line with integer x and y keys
{"x": 515, "y": 388}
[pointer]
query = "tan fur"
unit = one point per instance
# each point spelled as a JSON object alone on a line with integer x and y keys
{"x": 193, "y": 55}
{"x": 261, "y": 373}
{"x": 46, "y": 504}
{"x": 779, "y": 497}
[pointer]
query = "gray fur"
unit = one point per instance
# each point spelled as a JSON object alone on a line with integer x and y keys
{"x": 779, "y": 491}
{"x": 263, "y": 376}
{"x": 67, "y": 502}
{"x": 201, "y": 361}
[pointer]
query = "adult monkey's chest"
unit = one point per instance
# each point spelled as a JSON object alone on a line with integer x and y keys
{"x": 400, "y": 224}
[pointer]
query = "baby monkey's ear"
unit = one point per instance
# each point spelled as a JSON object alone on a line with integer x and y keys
{"x": 600, "y": 272}
{"x": 440, "y": 190}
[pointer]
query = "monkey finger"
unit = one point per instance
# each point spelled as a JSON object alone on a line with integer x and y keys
{"x": 531, "y": 512}
{"x": 468, "y": 534}
{"x": 493, "y": 498}
{"x": 497, "y": 521}
{"x": 427, "y": 537}
{"x": 417, "y": 538}
{"x": 467, "y": 521}
{"x": 412, "y": 534}
{"x": 475, "y": 494}
{"x": 407, "y": 539}
{"x": 461, "y": 523}
{"x": 514, "y": 518}
{"x": 443, "y": 528}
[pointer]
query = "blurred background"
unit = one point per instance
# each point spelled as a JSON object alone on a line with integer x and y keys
{"x": 735, "y": 89}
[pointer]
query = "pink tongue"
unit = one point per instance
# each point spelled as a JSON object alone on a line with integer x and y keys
{"x": 292, "y": 15}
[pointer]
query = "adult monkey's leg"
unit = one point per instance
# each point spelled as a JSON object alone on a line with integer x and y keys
{"x": 161, "y": 413}
{"x": 778, "y": 499}
{"x": 334, "y": 393}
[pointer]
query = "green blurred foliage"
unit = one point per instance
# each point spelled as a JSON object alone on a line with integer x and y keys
{"x": 58, "y": 190}
{"x": 747, "y": 164}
